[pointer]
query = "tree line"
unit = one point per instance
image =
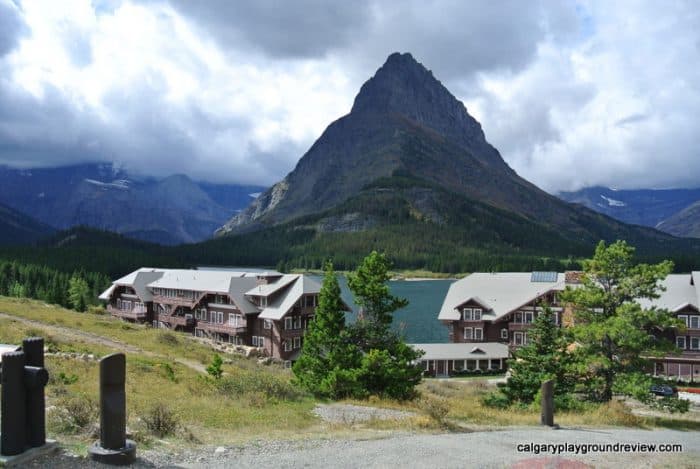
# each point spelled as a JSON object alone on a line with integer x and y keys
{"x": 78, "y": 289}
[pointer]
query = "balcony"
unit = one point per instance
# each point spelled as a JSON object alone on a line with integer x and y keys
{"x": 222, "y": 328}
{"x": 134, "y": 314}
{"x": 184, "y": 321}
{"x": 177, "y": 301}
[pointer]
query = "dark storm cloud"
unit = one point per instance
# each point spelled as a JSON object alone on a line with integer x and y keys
{"x": 303, "y": 28}
{"x": 572, "y": 93}
{"x": 11, "y": 26}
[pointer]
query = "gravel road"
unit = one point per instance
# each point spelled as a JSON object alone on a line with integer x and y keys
{"x": 455, "y": 450}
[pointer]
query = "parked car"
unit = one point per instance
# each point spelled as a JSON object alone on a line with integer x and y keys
{"x": 665, "y": 390}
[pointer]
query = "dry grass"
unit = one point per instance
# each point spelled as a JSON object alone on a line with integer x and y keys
{"x": 259, "y": 404}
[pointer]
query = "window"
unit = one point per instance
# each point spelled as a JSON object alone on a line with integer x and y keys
{"x": 518, "y": 338}
{"x": 695, "y": 343}
{"x": 476, "y": 314}
{"x": 467, "y": 333}
{"x": 288, "y": 323}
{"x": 694, "y": 322}
{"x": 297, "y": 322}
{"x": 680, "y": 342}
{"x": 258, "y": 341}
{"x": 263, "y": 301}
{"x": 504, "y": 334}
{"x": 467, "y": 314}
{"x": 297, "y": 342}
{"x": 518, "y": 318}
{"x": 684, "y": 319}
{"x": 309, "y": 301}
{"x": 527, "y": 317}
{"x": 478, "y": 333}
{"x": 267, "y": 324}
{"x": 287, "y": 345}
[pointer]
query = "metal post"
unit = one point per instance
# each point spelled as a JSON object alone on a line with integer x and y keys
{"x": 547, "y": 416}
{"x": 113, "y": 447}
{"x": 37, "y": 378}
{"x": 13, "y": 410}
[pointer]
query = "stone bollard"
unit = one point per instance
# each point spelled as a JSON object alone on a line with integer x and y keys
{"x": 547, "y": 417}
{"x": 113, "y": 447}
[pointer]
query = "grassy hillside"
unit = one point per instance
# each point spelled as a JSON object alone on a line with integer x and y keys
{"x": 251, "y": 402}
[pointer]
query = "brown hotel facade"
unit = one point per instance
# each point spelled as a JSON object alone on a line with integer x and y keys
{"x": 267, "y": 310}
{"x": 500, "y": 308}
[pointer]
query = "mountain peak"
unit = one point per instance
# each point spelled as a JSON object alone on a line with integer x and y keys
{"x": 403, "y": 86}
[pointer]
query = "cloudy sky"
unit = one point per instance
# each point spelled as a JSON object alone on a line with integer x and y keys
{"x": 573, "y": 93}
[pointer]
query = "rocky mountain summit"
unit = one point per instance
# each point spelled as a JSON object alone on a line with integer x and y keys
{"x": 407, "y": 131}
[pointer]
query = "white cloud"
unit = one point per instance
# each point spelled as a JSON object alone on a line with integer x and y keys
{"x": 571, "y": 93}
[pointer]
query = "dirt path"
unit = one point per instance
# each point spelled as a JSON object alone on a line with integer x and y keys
{"x": 92, "y": 338}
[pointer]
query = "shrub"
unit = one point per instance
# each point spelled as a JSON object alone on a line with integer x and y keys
{"x": 435, "y": 408}
{"x": 160, "y": 420}
{"x": 671, "y": 404}
{"x": 168, "y": 338}
{"x": 214, "y": 369}
{"x": 97, "y": 310}
{"x": 496, "y": 399}
{"x": 73, "y": 414}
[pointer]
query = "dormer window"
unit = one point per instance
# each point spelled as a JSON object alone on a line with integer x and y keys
{"x": 471, "y": 314}
{"x": 467, "y": 314}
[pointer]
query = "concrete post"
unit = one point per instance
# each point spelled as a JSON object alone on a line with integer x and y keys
{"x": 547, "y": 416}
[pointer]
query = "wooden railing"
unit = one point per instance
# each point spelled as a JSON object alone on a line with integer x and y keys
{"x": 136, "y": 314}
{"x": 176, "y": 320}
{"x": 224, "y": 328}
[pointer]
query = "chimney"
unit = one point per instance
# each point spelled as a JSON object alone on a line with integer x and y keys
{"x": 573, "y": 277}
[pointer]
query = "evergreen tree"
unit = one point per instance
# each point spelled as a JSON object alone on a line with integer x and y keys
{"x": 613, "y": 333}
{"x": 545, "y": 357}
{"x": 78, "y": 292}
{"x": 388, "y": 365}
{"x": 327, "y": 363}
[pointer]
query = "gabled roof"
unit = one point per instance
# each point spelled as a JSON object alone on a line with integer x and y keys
{"x": 680, "y": 293}
{"x": 272, "y": 287}
{"x": 138, "y": 280}
{"x": 215, "y": 281}
{"x": 237, "y": 288}
{"x": 501, "y": 293}
{"x": 464, "y": 351}
{"x": 282, "y": 304}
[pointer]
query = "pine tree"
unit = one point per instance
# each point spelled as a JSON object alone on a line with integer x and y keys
{"x": 388, "y": 365}
{"x": 78, "y": 291}
{"x": 613, "y": 333}
{"x": 327, "y": 361}
{"x": 545, "y": 357}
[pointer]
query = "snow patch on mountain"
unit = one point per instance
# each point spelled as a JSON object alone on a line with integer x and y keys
{"x": 613, "y": 202}
{"x": 122, "y": 184}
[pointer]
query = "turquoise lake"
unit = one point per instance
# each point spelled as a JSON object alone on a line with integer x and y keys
{"x": 418, "y": 321}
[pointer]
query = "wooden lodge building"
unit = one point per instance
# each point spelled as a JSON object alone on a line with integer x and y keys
{"x": 485, "y": 308}
{"x": 268, "y": 310}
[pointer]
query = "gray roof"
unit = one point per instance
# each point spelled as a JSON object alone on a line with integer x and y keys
{"x": 466, "y": 351}
{"x": 682, "y": 290}
{"x": 272, "y": 287}
{"x": 498, "y": 293}
{"x": 237, "y": 289}
{"x": 282, "y": 304}
{"x": 215, "y": 281}
{"x": 138, "y": 280}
